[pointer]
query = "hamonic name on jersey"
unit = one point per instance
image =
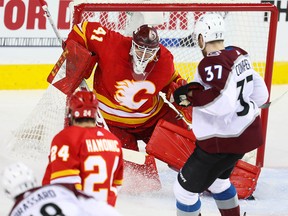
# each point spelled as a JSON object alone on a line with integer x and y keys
{"x": 99, "y": 145}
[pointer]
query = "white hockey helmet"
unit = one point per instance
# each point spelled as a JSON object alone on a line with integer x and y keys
{"x": 17, "y": 178}
{"x": 211, "y": 26}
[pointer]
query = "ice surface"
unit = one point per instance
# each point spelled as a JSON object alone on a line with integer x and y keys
{"x": 271, "y": 192}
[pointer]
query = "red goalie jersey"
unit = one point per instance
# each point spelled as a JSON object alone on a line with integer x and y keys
{"x": 90, "y": 158}
{"x": 124, "y": 100}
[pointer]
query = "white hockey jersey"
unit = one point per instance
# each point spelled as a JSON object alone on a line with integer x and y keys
{"x": 229, "y": 104}
{"x": 59, "y": 199}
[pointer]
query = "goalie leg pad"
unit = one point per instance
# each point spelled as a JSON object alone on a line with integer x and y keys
{"x": 244, "y": 177}
{"x": 171, "y": 144}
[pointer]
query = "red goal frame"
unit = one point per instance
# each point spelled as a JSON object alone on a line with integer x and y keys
{"x": 225, "y": 7}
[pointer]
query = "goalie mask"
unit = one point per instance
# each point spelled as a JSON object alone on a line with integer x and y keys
{"x": 211, "y": 26}
{"x": 18, "y": 178}
{"x": 145, "y": 45}
{"x": 82, "y": 104}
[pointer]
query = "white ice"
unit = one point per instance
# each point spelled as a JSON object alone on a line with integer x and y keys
{"x": 270, "y": 195}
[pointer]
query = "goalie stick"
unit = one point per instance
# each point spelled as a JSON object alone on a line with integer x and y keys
{"x": 128, "y": 155}
{"x": 48, "y": 15}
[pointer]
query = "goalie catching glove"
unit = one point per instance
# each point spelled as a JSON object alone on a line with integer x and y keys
{"x": 183, "y": 95}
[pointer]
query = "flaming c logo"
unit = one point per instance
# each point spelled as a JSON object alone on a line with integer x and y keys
{"x": 127, "y": 90}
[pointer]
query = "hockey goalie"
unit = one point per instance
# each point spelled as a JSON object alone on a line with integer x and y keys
{"x": 127, "y": 87}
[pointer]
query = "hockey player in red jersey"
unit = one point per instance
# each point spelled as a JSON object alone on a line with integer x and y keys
{"x": 225, "y": 96}
{"x": 19, "y": 183}
{"x": 84, "y": 154}
{"x": 130, "y": 73}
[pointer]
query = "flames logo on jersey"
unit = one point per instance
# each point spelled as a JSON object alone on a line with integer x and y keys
{"x": 127, "y": 90}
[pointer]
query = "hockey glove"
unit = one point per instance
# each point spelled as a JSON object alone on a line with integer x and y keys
{"x": 185, "y": 111}
{"x": 173, "y": 86}
{"x": 183, "y": 94}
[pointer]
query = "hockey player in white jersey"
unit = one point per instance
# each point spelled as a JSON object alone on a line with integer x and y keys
{"x": 225, "y": 96}
{"x": 19, "y": 183}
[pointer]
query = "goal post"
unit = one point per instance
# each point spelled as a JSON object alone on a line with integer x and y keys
{"x": 251, "y": 26}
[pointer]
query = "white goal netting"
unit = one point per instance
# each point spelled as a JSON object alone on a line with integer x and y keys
{"x": 248, "y": 27}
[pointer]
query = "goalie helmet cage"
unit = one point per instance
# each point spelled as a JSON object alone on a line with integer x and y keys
{"x": 250, "y": 26}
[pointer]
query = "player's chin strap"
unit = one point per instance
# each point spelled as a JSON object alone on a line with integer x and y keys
{"x": 163, "y": 96}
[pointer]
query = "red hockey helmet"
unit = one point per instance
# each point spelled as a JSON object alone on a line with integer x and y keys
{"x": 83, "y": 104}
{"x": 145, "y": 45}
{"x": 146, "y": 36}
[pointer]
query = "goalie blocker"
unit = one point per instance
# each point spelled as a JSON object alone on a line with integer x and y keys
{"x": 173, "y": 145}
{"x": 75, "y": 64}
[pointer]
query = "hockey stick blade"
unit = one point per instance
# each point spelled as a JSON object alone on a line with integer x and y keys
{"x": 266, "y": 105}
{"x": 134, "y": 156}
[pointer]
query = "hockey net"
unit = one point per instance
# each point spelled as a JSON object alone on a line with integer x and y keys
{"x": 250, "y": 26}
